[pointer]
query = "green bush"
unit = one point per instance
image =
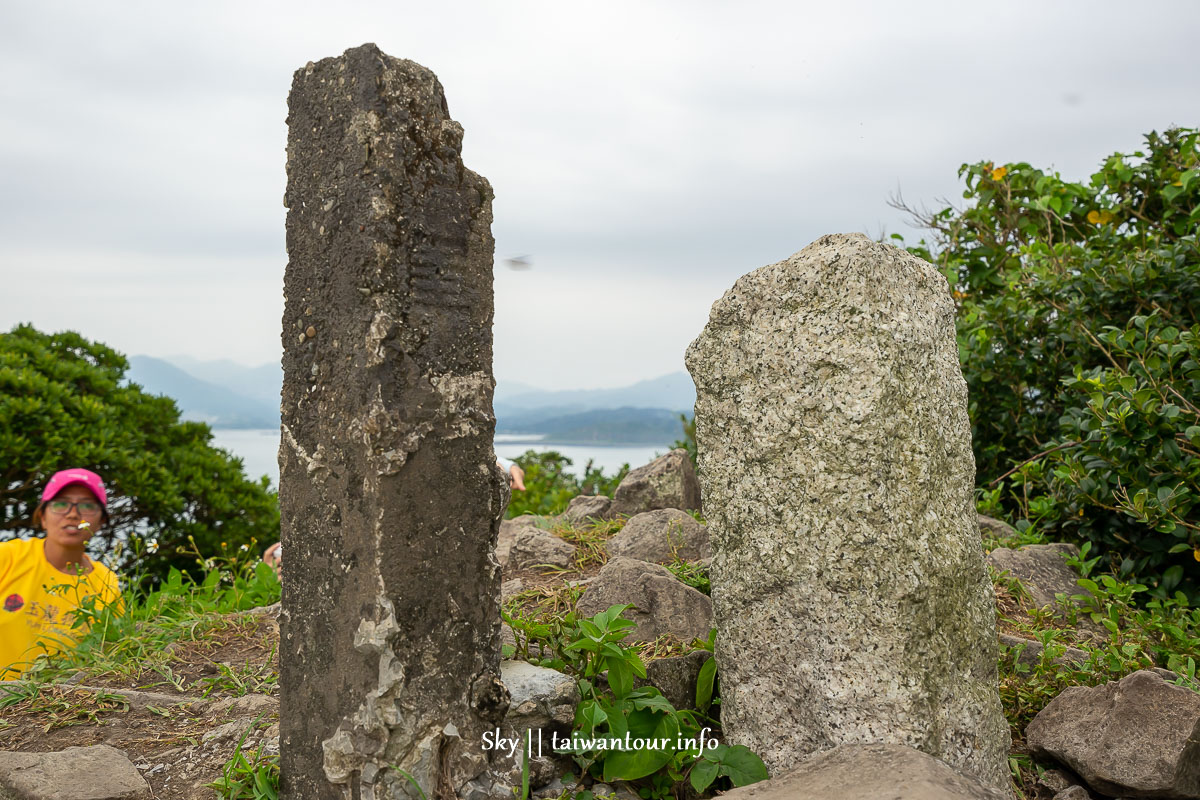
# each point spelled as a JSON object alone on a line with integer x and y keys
{"x": 1079, "y": 306}
{"x": 549, "y": 487}
{"x": 64, "y": 403}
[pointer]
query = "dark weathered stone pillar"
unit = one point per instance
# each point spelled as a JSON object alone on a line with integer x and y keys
{"x": 389, "y": 498}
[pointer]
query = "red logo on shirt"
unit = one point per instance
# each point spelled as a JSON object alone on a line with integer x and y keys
{"x": 13, "y": 602}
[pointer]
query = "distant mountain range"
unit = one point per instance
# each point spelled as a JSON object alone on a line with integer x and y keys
{"x": 229, "y": 395}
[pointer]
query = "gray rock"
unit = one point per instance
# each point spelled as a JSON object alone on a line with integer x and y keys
{"x": 534, "y": 547}
{"x": 675, "y": 677}
{"x": 390, "y": 499}
{"x": 1041, "y": 568}
{"x": 1031, "y": 651}
{"x": 543, "y": 703}
{"x": 1074, "y": 793}
{"x": 1137, "y": 737}
{"x": 848, "y": 578}
{"x": 1053, "y": 781}
{"x": 995, "y": 528}
{"x": 584, "y": 506}
{"x": 869, "y": 772}
{"x": 666, "y": 482}
{"x": 662, "y": 605}
{"x": 98, "y": 772}
{"x": 661, "y": 536}
{"x": 510, "y": 588}
{"x": 541, "y": 698}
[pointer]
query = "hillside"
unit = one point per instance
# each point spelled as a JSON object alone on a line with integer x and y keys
{"x": 203, "y": 401}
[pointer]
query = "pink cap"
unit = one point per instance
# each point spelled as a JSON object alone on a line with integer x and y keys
{"x": 66, "y": 477}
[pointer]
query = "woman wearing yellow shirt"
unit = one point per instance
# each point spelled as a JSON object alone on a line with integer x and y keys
{"x": 43, "y": 580}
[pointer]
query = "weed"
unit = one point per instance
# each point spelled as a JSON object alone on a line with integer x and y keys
{"x": 253, "y": 778}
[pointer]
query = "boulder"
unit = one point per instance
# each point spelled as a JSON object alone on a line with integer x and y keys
{"x": 869, "y": 772}
{"x": 1031, "y": 651}
{"x": 98, "y": 772}
{"x": 584, "y": 506}
{"x": 666, "y": 482}
{"x": 661, "y": 536}
{"x": 662, "y": 605}
{"x": 521, "y": 544}
{"x": 540, "y": 698}
{"x": 848, "y": 578}
{"x": 1041, "y": 568}
{"x": 542, "y": 702}
{"x": 995, "y": 528}
{"x": 675, "y": 677}
{"x": 1137, "y": 737}
{"x": 511, "y": 587}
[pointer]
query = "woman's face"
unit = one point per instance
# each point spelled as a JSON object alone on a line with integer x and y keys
{"x": 66, "y": 528}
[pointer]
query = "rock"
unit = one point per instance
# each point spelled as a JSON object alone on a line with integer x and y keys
{"x": 1041, "y": 568}
{"x": 848, "y": 579}
{"x": 1137, "y": 737}
{"x": 534, "y": 547}
{"x": 1073, "y": 793}
{"x": 510, "y": 588}
{"x": 662, "y": 605}
{"x": 995, "y": 528}
{"x": 1031, "y": 652}
{"x": 869, "y": 772}
{"x": 675, "y": 677}
{"x": 660, "y": 536}
{"x": 98, "y": 772}
{"x": 249, "y": 705}
{"x": 1053, "y": 781}
{"x": 521, "y": 544}
{"x": 666, "y": 482}
{"x": 543, "y": 703}
{"x": 584, "y": 506}
{"x": 390, "y": 498}
{"x": 541, "y": 698}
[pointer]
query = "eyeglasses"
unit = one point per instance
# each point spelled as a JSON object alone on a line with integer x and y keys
{"x": 86, "y": 508}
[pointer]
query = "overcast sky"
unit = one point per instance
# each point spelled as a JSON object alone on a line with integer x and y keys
{"x": 644, "y": 155}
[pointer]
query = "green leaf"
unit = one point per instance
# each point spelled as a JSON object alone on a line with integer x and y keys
{"x": 742, "y": 766}
{"x": 620, "y": 678}
{"x": 703, "y": 773}
{"x": 704, "y": 684}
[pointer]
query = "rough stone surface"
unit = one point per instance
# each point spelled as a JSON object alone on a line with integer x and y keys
{"x": 543, "y": 703}
{"x": 1137, "y": 737}
{"x": 583, "y": 506}
{"x": 534, "y": 547}
{"x": 98, "y": 772}
{"x": 1074, "y": 793}
{"x": 666, "y": 482}
{"x": 847, "y": 572}
{"x": 1031, "y": 651}
{"x": 869, "y": 772}
{"x": 390, "y": 500}
{"x": 661, "y": 536}
{"x": 661, "y": 603}
{"x": 995, "y": 528}
{"x": 675, "y": 677}
{"x": 1041, "y": 568}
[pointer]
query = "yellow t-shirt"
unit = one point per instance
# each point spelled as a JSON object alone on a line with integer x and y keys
{"x": 36, "y": 601}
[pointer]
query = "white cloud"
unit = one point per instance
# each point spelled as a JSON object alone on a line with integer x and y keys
{"x": 645, "y": 155}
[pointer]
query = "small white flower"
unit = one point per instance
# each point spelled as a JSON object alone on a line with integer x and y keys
{"x": 152, "y": 546}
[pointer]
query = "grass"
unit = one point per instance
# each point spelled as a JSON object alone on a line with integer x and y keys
{"x": 1142, "y": 633}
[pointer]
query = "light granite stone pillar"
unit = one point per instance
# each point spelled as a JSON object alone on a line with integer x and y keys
{"x": 848, "y": 584}
{"x": 390, "y": 500}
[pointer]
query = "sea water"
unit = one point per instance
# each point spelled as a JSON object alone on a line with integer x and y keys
{"x": 259, "y": 450}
